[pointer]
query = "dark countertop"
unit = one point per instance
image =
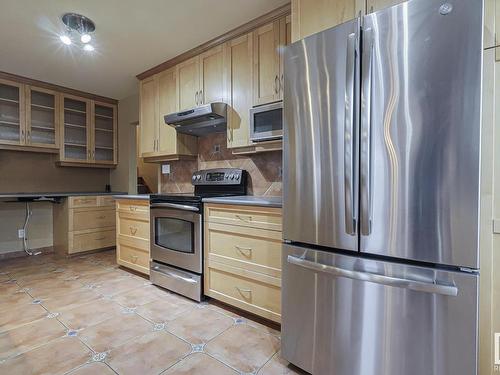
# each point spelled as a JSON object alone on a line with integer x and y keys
{"x": 23, "y": 196}
{"x": 247, "y": 200}
{"x": 132, "y": 196}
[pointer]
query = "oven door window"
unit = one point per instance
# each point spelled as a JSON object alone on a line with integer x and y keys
{"x": 269, "y": 121}
{"x": 174, "y": 234}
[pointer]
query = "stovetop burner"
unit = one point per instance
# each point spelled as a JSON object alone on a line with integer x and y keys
{"x": 207, "y": 183}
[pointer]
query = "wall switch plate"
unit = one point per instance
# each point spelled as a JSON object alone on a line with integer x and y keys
{"x": 20, "y": 233}
{"x": 165, "y": 168}
{"x": 496, "y": 226}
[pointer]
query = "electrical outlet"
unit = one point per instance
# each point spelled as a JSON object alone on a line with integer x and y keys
{"x": 165, "y": 168}
{"x": 20, "y": 233}
{"x": 216, "y": 149}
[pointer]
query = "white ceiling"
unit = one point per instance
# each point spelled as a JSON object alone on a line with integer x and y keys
{"x": 131, "y": 36}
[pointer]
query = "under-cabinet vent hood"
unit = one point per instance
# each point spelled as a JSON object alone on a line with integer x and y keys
{"x": 200, "y": 121}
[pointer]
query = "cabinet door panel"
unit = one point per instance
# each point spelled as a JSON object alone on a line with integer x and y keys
{"x": 104, "y": 133}
{"x": 11, "y": 113}
{"x": 188, "y": 75}
{"x": 167, "y": 82}
{"x": 211, "y": 76}
{"x": 76, "y": 125}
{"x": 149, "y": 115}
{"x": 238, "y": 61}
{"x": 266, "y": 63}
{"x": 42, "y": 123}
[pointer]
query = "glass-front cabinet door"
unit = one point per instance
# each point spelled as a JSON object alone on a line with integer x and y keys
{"x": 42, "y": 122}
{"x": 76, "y": 123}
{"x": 12, "y": 121}
{"x": 104, "y": 133}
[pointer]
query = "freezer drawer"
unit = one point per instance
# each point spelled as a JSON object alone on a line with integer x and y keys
{"x": 344, "y": 315}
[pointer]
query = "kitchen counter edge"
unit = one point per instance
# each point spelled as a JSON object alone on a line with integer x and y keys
{"x": 247, "y": 200}
{"x": 132, "y": 196}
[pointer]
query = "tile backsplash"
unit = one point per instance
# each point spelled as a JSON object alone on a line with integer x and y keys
{"x": 264, "y": 169}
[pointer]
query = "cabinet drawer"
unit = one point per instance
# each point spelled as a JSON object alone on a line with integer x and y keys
{"x": 76, "y": 202}
{"x": 248, "y": 216}
{"x": 232, "y": 286}
{"x": 140, "y": 209}
{"x": 132, "y": 227}
{"x": 105, "y": 201}
{"x": 257, "y": 250}
{"x": 91, "y": 240}
{"x": 92, "y": 219}
{"x": 132, "y": 257}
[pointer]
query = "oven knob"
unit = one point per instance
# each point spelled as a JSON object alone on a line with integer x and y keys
{"x": 231, "y": 176}
{"x": 237, "y": 176}
{"x": 198, "y": 177}
{"x": 194, "y": 178}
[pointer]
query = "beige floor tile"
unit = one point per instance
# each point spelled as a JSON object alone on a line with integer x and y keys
{"x": 90, "y": 314}
{"x": 56, "y": 357}
{"x": 111, "y": 333}
{"x": 243, "y": 347}
{"x": 15, "y": 300}
{"x": 4, "y": 278}
{"x": 137, "y": 297}
{"x": 148, "y": 355}
{"x": 279, "y": 366}
{"x": 165, "y": 309}
{"x": 69, "y": 300}
{"x": 8, "y": 288}
{"x": 199, "y": 364}
{"x": 55, "y": 291}
{"x": 35, "y": 280}
{"x": 103, "y": 275}
{"x": 94, "y": 368}
{"x": 110, "y": 288}
{"x": 199, "y": 325}
{"x": 29, "y": 336}
{"x": 220, "y": 309}
{"x": 19, "y": 316}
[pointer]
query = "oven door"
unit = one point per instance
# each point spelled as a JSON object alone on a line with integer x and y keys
{"x": 266, "y": 122}
{"x": 176, "y": 237}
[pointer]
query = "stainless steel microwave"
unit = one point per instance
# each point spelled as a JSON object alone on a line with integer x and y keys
{"x": 266, "y": 122}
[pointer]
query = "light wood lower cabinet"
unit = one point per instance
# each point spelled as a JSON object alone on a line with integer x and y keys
{"x": 84, "y": 223}
{"x": 132, "y": 234}
{"x": 243, "y": 257}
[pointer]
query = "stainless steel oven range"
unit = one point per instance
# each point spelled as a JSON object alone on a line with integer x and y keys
{"x": 177, "y": 230}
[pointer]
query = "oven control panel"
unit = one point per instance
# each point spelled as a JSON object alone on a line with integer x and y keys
{"x": 219, "y": 176}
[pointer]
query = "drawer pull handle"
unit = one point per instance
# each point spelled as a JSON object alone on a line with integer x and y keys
{"x": 100, "y": 238}
{"x": 244, "y": 218}
{"x": 242, "y": 250}
{"x": 134, "y": 258}
{"x": 133, "y": 230}
{"x": 242, "y": 290}
{"x": 101, "y": 217}
{"x": 132, "y": 208}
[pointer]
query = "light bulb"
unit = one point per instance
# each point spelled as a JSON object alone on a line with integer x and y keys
{"x": 65, "y": 39}
{"x": 85, "y": 38}
{"x": 88, "y": 47}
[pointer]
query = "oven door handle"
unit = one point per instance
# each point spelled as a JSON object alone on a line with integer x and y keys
{"x": 173, "y": 205}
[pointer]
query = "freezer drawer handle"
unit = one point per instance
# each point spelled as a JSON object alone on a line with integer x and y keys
{"x": 173, "y": 275}
{"x": 419, "y": 286}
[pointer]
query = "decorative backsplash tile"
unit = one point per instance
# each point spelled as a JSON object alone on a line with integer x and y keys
{"x": 264, "y": 169}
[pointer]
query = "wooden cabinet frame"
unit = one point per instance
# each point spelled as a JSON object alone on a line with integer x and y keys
{"x": 22, "y": 115}
{"x": 57, "y": 118}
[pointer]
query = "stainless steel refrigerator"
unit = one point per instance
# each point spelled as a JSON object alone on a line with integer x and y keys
{"x": 381, "y": 193}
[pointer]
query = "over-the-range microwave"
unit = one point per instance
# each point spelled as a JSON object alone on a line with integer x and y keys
{"x": 266, "y": 122}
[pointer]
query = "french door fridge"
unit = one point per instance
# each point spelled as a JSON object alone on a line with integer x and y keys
{"x": 381, "y": 193}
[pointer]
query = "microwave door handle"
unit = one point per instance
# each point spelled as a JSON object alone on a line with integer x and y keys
{"x": 366, "y": 117}
{"x": 173, "y": 205}
{"x": 349, "y": 137}
{"x": 419, "y": 286}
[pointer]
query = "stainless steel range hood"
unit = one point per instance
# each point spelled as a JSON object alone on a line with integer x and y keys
{"x": 200, "y": 121}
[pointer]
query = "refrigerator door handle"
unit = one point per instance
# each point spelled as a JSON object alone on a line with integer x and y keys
{"x": 349, "y": 148}
{"x": 365, "y": 153}
{"x": 419, "y": 286}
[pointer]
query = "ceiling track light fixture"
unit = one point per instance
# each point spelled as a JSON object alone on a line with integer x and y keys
{"x": 80, "y": 25}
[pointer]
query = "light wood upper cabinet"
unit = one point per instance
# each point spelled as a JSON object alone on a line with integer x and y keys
{"x": 167, "y": 135}
{"x": 148, "y": 117}
{"x": 76, "y": 131}
{"x": 312, "y": 16}
{"x": 492, "y": 24}
{"x": 211, "y": 76}
{"x": 188, "y": 83}
{"x": 375, "y": 5}
{"x": 104, "y": 133}
{"x": 12, "y": 113}
{"x": 238, "y": 65}
{"x": 42, "y": 118}
{"x": 267, "y": 65}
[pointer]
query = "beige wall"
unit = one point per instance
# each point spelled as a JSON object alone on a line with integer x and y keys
{"x": 124, "y": 177}
{"x": 264, "y": 169}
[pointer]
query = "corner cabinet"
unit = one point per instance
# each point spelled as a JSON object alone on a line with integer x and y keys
{"x": 159, "y": 141}
{"x": 88, "y": 133}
